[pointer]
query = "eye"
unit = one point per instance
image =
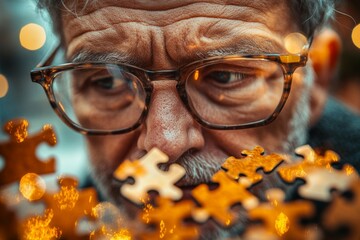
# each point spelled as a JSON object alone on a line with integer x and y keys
{"x": 224, "y": 77}
{"x": 107, "y": 83}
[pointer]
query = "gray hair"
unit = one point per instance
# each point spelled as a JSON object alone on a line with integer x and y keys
{"x": 309, "y": 15}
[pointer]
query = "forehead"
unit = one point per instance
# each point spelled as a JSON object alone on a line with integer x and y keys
{"x": 148, "y": 31}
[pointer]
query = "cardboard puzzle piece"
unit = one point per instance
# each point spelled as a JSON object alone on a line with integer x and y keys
{"x": 148, "y": 176}
{"x": 320, "y": 182}
{"x": 311, "y": 161}
{"x": 345, "y": 212}
{"x": 217, "y": 203}
{"x": 253, "y": 161}
{"x": 283, "y": 219}
{"x": 8, "y": 223}
{"x": 168, "y": 217}
{"x": 19, "y": 153}
{"x": 69, "y": 206}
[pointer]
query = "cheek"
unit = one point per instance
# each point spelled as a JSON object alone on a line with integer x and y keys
{"x": 111, "y": 150}
{"x": 272, "y": 138}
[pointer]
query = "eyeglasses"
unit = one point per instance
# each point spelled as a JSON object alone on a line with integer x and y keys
{"x": 231, "y": 92}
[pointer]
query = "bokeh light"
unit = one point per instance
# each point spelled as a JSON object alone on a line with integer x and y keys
{"x": 356, "y": 36}
{"x": 32, "y": 186}
{"x": 32, "y": 36}
{"x": 282, "y": 224}
{"x": 4, "y": 86}
{"x": 295, "y": 42}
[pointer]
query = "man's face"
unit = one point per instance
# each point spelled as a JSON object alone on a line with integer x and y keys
{"x": 161, "y": 35}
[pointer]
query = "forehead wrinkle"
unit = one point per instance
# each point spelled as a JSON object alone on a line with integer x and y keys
{"x": 154, "y": 5}
{"x": 157, "y": 17}
{"x": 99, "y": 31}
{"x": 245, "y": 45}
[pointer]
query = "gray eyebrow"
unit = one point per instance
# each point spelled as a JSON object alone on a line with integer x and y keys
{"x": 107, "y": 57}
{"x": 247, "y": 46}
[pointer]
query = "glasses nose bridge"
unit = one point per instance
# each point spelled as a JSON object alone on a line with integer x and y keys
{"x": 161, "y": 75}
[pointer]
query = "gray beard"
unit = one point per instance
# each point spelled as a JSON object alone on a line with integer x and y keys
{"x": 200, "y": 169}
{"x": 299, "y": 124}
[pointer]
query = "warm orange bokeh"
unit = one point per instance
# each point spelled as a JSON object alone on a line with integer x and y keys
{"x": 32, "y": 36}
{"x": 32, "y": 186}
{"x": 4, "y": 86}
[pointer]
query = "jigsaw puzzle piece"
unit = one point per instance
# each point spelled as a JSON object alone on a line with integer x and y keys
{"x": 320, "y": 182}
{"x": 217, "y": 203}
{"x": 69, "y": 206}
{"x": 344, "y": 211}
{"x": 168, "y": 217}
{"x": 148, "y": 176}
{"x": 282, "y": 219}
{"x": 8, "y": 223}
{"x": 19, "y": 153}
{"x": 253, "y": 160}
{"x": 311, "y": 161}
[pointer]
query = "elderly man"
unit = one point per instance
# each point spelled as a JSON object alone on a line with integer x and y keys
{"x": 200, "y": 80}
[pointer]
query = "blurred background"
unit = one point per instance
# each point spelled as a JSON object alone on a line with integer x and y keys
{"x": 347, "y": 24}
{"x": 27, "y": 36}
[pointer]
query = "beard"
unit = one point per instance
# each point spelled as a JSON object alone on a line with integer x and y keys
{"x": 201, "y": 166}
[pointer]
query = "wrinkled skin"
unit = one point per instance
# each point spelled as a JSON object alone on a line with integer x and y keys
{"x": 168, "y": 34}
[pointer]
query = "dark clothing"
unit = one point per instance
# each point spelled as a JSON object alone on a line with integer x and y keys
{"x": 339, "y": 130}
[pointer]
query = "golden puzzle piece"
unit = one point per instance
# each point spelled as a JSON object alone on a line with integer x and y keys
{"x": 282, "y": 219}
{"x": 311, "y": 161}
{"x": 69, "y": 206}
{"x": 254, "y": 160}
{"x": 148, "y": 176}
{"x": 169, "y": 220}
{"x": 217, "y": 203}
{"x": 345, "y": 212}
{"x": 19, "y": 152}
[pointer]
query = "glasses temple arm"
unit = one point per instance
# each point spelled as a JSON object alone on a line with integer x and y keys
{"x": 49, "y": 57}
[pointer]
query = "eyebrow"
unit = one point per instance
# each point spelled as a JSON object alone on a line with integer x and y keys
{"x": 108, "y": 57}
{"x": 245, "y": 46}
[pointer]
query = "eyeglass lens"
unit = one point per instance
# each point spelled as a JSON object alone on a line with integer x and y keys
{"x": 226, "y": 93}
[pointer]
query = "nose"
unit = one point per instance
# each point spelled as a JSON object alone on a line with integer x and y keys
{"x": 169, "y": 126}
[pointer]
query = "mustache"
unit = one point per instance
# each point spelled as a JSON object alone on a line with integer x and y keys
{"x": 199, "y": 166}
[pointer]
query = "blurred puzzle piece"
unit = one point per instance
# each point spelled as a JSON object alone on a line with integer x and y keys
{"x": 311, "y": 161}
{"x": 254, "y": 160}
{"x": 168, "y": 217}
{"x": 19, "y": 153}
{"x": 110, "y": 223}
{"x": 283, "y": 219}
{"x": 148, "y": 176}
{"x": 217, "y": 203}
{"x": 69, "y": 206}
{"x": 320, "y": 182}
{"x": 8, "y": 223}
{"x": 345, "y": 211}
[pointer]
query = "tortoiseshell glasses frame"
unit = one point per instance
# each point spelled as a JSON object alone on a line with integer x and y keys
{"x": 44, "y": 74}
